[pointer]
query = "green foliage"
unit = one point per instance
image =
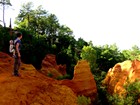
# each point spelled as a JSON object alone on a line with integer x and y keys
{"x": 89, "y": 54}
{"x": 108, "y": 56}
{"x": 83, "y": 100}
{"x": 67, "y": 76}
{"x": 80, "y": 43}
{"x": 50, "y": 74}
{"x": 133, "y": 92}
{"x": 63, "y": 58}
{"x": 132, "y": 54}
{"x": 116, "y": 100}
{"x": 131, "y": 96}
{"x": 37, "y": 20}
{"x": 4, "y": 39}
{"x": 99, "y": 76}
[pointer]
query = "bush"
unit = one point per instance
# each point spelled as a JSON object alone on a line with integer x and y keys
{"x": 50, "y": 74}
{"x": 130, "y": 98}
{"x": 67, "y": 76}
{"x": 83, "y": 100}
{"x": 4, "y": 39}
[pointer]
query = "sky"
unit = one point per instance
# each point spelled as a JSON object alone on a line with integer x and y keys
{"x": 100, "y": 21}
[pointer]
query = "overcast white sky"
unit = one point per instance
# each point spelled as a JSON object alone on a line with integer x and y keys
{"x": 101, "y": 21}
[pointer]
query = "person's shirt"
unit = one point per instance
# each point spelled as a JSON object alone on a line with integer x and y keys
{"x": 17, "y": 40}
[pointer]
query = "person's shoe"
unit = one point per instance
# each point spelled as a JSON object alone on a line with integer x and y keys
{"x": 18, "y": 75}
{"x": 14, "y": 56}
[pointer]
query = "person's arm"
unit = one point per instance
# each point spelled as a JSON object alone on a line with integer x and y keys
{"x": 17, "y": 49}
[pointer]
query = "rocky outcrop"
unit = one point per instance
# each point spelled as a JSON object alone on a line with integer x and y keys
{"x": 32, "y": 88}
{"x": 121, "y": 73}
{"x": 50, "y": 67}
{"x": 83, "y": 82}
{"x": 5, "y": 61}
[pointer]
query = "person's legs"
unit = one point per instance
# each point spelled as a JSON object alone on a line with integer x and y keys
{"x": 16, "y": 66}
{"x": 19, "y": 62}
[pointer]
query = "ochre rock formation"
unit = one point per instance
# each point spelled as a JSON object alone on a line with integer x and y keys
{"x": 83, "y": 82}
{"x": 5, "y": 61}
{"x": 121, "y": 73}
{"x": 50, "y": 67}
{"x": 32, "y": 88}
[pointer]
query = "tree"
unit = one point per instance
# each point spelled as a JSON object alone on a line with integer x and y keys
{"x": 108, "y": 56}
{"x": 23, "y": 18}
{"x": 89, "y": 54}
{"x": 4, "y": 3}
{"x": 4, "y": 39}
{"x": 52, "y": 37}
{"x": 132, "y": 54}
{"x": 37, "y": 20}
{"x": 65, "y": 50}
{"x": 52, "y": 25}
{"x": 80, "y": 43}
{"x": 40, "y": 20}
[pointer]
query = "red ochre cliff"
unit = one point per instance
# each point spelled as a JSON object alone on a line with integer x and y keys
{"x": 121, "y": 74}
{"x": 32, "y": 88}
{"x": 35, "y": 88}
{"x": 50, "y": 67}
{"x": 83, "y": 82}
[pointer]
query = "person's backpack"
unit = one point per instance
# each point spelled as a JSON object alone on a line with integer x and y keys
{"x": 15, "y": 42}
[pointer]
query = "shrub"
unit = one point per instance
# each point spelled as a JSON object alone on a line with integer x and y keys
{"x": 83, "y": 100}
{"x": 131, "y": 96}
{"x": 67, "y": 76}
{"x": 50, "y": 74}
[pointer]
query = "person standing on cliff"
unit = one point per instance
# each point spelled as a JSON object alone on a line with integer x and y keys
{"x": 17, "y": 43}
